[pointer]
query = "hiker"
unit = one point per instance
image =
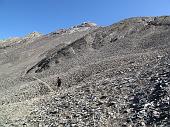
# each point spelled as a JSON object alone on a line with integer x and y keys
{"x": 58, "y": 82}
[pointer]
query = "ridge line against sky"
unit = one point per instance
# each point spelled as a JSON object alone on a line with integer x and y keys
{"x": 20, "y": 17}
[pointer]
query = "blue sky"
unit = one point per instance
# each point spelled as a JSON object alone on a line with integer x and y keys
{"x": 19, "y": 17}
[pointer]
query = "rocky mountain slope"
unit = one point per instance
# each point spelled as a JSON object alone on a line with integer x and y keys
{"x": 114, "y": 76}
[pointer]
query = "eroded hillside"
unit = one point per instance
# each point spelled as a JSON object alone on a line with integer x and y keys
{"x": 111, "y": 76}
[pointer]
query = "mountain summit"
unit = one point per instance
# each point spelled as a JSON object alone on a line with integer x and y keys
{"x": 86, "y": 24}
{"x": 88, "y": 76}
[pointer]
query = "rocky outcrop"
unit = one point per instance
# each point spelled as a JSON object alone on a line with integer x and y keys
{"x": 86, "y": 24}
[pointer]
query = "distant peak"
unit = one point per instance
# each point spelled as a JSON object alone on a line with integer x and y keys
{"x": 33, "y": 34}
{"x": 82, "y": 27}
{"x": 12, "y": 40}
{"x": 86, "y": 24}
